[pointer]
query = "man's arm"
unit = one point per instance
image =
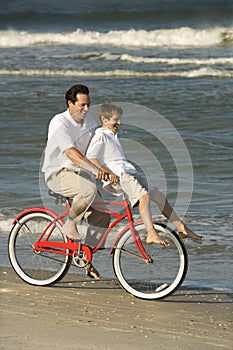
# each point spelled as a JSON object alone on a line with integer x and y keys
{"x": 111, "y": 176}
{"x": 79, "y": 159}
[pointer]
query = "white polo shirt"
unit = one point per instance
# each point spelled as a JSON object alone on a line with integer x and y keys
{"x": 64, "y": 133}
{"x": 106, "y": 147}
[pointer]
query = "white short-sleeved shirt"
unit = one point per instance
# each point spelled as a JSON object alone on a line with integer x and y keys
{"x": 106, "y": 147}
{"x": 64, "y": 133}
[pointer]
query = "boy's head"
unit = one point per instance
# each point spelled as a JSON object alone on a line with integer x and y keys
{"x": 110, "y": 116}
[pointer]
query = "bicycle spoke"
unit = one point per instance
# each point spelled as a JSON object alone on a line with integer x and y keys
{"x": 131, "y": 253}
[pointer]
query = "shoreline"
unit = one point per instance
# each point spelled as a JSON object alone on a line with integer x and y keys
{"x": 79, "y": 313}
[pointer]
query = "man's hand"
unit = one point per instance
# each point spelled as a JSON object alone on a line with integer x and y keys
{"x": 113, "y": 178}
{"x": 107, "y": 175}
{"x": 101, "y": 175}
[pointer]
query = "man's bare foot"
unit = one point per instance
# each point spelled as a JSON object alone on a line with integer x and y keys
{"x": 92, "y": 272}
{"x": 69, "y": 230}
{"x": 154, "y": 237}
{"x": 187, "y": 233}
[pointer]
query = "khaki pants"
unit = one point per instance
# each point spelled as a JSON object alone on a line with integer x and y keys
{"x": 81, "y": 187}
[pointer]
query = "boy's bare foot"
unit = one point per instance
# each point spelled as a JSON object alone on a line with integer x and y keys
{"x": 154, "y": 237}
{"x": 187, "y": 233}
{"x": 69, "y": 230}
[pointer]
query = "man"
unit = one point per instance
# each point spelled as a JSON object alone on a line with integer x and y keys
{"x": 67, "y": 170}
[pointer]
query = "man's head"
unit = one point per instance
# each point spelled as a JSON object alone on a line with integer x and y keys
{"x": 110, "y": 116}
{"x": 78, "y": 102}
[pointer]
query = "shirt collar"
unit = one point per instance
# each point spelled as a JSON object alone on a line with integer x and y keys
{"x": 73, "y": 122}
{"x": 106, "y": 131}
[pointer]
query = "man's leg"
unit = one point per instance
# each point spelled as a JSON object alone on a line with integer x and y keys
{"x": 81, "y": 188}
{"x": 98, "y": 222}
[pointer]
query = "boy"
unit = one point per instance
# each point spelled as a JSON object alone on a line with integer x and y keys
{"x": 106, "y": 149}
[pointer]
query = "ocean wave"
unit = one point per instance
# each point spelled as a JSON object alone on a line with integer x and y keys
{"x": 5, "y": 225}
{"x": 176, "y": 61}
{"x": 110, "y": 56}
{"x": 178, "y": 37}
{"x": 121, "y": 73}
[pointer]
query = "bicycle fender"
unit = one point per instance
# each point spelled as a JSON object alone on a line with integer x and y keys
{"x": 34, "y": 210}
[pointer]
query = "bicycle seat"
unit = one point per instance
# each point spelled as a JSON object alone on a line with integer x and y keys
{"x": 58, "y": 197}
{"x": 115, "y": 190}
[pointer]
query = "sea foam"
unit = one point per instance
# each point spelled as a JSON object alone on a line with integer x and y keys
{"x": 177, "y": 37}
{"x": 121, "y": 73}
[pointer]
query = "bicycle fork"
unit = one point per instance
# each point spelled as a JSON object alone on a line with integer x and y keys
{"x": 136, "y": 237}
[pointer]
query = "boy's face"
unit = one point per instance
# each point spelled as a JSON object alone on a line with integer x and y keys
{"x": 113, "y": 123}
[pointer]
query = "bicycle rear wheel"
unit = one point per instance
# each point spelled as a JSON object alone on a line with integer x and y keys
{"x": 35, "y": 267}
{"x": 156, "y": 279}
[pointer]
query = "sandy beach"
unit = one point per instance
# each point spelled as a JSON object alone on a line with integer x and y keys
{"x": 79, "y": 313}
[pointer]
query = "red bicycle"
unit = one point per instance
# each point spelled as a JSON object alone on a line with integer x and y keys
{"x": 41, "y": 255}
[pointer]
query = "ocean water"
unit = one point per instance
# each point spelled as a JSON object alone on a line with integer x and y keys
{"x": 170, "y": 64}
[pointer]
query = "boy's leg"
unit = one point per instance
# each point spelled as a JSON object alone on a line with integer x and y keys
{"x": 138, "y": 194}
{"x": 145, "y": 213}
{"x": 160, "y": 199}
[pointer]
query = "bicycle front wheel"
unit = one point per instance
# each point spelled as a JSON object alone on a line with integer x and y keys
{"x": 158, "y": 278}
{"x": 36, "y": 267}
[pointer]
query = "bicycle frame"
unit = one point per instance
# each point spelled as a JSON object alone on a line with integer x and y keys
{"x": 70, "y": 247}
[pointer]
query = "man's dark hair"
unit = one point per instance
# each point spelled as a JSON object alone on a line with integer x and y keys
{"x": 74, "y": 90}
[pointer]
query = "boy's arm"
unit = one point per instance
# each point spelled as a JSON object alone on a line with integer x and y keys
{"x": 112, "y": 177}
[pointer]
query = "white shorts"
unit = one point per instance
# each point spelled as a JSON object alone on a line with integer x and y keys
{"x": 135, "y": 186}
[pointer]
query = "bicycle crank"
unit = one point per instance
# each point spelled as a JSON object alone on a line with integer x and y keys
{"x": 80, "y": 259}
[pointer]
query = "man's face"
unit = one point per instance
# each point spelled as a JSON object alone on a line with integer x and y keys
{"x": 78, "y": 110}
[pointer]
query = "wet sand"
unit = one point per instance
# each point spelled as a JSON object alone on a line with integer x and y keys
{"x": 79, "y": 313}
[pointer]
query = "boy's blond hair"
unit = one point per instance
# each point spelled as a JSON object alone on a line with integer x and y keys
{"x": 107, "y": 110}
